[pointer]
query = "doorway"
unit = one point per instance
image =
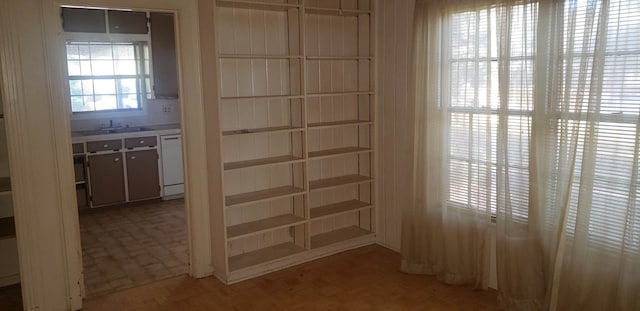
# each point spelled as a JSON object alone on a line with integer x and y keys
{"x": 126, "y": 139}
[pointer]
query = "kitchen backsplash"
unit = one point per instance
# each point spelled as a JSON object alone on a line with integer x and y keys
{"x": 159, "y": 111}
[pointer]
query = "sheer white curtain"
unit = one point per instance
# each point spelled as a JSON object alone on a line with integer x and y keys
{"x": 529, "y": 111}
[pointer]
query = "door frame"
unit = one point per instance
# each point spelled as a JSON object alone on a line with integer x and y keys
{"x": 38, "y": 127}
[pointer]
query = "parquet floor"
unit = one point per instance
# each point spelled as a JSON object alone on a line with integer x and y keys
{"x": 362, "y": 279}
{"x": 131, "y": 245}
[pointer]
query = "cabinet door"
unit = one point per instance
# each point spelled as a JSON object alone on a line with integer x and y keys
{"x": 163, "y": 48}
{"x": 107, "y": 179}
{"x": 142, "y": 174}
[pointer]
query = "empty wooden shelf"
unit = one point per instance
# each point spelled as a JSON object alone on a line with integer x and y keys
{"x": 338, "y": 208}
{"x": 258, "y": 226}
{"x": 321, "y": 125}
{"x": 332, "y": 237}
{"x": 274, "y": 129}
{"x": 337, "y": 152}
{"x": 338, "y": 181}
{"x": 262, "y": 195}
{"x": 302, "y": 73}
{"x": 263, "y": 255}
{"x": 256, "y": 5}
{"x": 262, "y": 162}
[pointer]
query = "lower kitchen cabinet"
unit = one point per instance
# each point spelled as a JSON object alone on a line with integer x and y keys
{"x": 142, "y": 174}
{"x": 106, "y": 173}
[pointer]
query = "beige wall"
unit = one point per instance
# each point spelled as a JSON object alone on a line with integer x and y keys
{"x": 395, "y": 125}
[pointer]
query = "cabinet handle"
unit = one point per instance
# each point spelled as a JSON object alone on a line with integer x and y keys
{"x": 116, "y": 159}
{"x": 105, "y": 146}
{"x": 171, "y": 138}
{"x": 142, "y": 141}
{"x": 133, "y": 157}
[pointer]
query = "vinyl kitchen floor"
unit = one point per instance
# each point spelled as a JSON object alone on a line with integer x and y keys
{"x": 128, "y": 246}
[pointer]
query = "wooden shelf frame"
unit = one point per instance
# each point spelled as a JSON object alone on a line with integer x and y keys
{"x": 331, "y": 210}
{"x": 340, "y": 181}
{"x": 337, "y": 236}
{"x": 327, "y": 153}
{"x": 262, "y": 195}
{"x": 256, "y": 56}
{"x": 257, "y": 5}
{"x": 311, "y": 95}
{"x": 334, "y": 124}
{"x": 277, "y": 160}
{"x": 264, "y": 130}
{"x": 263, "y": 255}
{"x": 263, "y": 225}
{"x": 337, "y": 12}
{"x": 302, "y": 244}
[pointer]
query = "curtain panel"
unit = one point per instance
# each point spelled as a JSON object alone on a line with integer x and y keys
{"x": 528, "y": 113}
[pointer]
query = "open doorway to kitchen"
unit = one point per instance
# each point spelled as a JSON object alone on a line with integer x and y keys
{"x": 127, "y": 150}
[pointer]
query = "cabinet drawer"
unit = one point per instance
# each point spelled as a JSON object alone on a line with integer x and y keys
{"x": 77, "y": 148}
{"x": 136, "y": 142}
{"x": 102, "y": 145}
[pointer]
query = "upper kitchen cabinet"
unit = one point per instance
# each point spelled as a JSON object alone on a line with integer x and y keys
{"x": 156, "y": 28}
{"x": 163, "y": 49}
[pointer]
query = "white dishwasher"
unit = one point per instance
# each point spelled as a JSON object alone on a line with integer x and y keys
{"x": 172, "y": 174}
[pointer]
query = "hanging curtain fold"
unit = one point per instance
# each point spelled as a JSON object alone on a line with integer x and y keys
{"x": 528, "y": 112}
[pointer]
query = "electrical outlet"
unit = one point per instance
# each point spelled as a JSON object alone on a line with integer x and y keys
{"x": 166, "y": 108}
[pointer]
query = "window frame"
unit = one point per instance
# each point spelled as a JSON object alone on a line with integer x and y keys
{"x": 143, "y": 96}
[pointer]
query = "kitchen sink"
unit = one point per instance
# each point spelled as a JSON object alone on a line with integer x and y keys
{"x": 115, "y": 131}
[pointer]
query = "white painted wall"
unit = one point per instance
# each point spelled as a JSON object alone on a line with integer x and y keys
{"x": 395, "y": 116}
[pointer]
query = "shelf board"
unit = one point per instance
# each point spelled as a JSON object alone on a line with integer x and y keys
{"x": 332, "y": 237}
{"x": 256, "y": 5}
{"x": 321, "y": 125}
{"x": 339, "y": 57}
{"x": 254, "y": 56}
{"x": 338, "y": 208}
{"x": 5, "y": 185}
{"x": 337, "y": 152}
{"x": 262, "y": 195}
{"x": 274, "y": 129}
{"x": 7, "y": 228}
{"x": 263, "y": 255}
{"x": 259, "y": 226}
{"x": 338, "y": 181}
{"x": 339, "y": 94}
{"x": 339, "y": 12}
{"x": 263, "y": 97}
{"x": 286, "y": 159}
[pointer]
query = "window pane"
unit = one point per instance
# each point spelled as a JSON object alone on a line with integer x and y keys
{"x": 102, "y": 67}
{"x": 106, "y": 102}
{"x": 101, "y": 51}
{"x": 85, "y": 68}
{"x": 127, "y": 86}
{"x": 129, "y": 101}
{"x": 125, "y": 67}
{"x": 123, "y": 52}
{"x": 74, "y": 68}
{"x": 78, "y": 104}
{"x": 104, "y": 86}
{"x": 87, "y": 87}
{"x": 96, "y": 67}
{"x": 75, "y": 87}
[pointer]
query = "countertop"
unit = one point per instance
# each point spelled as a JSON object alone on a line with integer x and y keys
{"x": 165, "y": 129}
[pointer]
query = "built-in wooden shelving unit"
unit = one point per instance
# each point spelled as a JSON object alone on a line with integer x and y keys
{"x": 297, "y": 129}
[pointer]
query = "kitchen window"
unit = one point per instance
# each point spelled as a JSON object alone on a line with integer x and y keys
{"x": 108, "y": 76}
